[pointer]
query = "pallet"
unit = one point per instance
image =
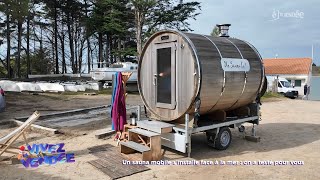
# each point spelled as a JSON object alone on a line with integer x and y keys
{"x": 110, "y": 162}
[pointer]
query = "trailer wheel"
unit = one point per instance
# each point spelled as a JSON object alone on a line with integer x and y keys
{"x": 241, "y": 128}
{"x": 223, "y": 139}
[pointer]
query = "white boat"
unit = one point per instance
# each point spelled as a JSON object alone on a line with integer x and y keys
{"x": 9, "y": 86}
{"x": 73, "y": 87}
{"x": 105, "y": 74}
{"x": 70, "y": 87}
{"x": 92, "y": 86}
{"x": 51, "y": 87}
{"x": 29, "y": 87}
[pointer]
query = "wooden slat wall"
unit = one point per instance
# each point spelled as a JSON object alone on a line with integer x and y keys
{"x": 185, "y": 79}
{"x": 254, "y": 77}
{"x": 212, "y": 75}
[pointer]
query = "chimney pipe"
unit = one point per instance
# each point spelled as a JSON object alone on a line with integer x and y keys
{"x": 223, "y": 30}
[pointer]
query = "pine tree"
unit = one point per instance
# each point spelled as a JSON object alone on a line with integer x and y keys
{"x": 152, "y": 15}
{"x": 19, "y": 14}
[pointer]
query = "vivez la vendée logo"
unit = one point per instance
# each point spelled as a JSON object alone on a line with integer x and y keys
{"x": 41, "y": 154}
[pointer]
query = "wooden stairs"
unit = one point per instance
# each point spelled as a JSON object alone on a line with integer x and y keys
{"x": 146, "y": 139}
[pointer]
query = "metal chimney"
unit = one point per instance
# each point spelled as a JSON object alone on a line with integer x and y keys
{"x": 223, "y": 30}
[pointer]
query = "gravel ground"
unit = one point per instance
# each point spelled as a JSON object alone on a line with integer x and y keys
{"x": 289, "y": 131}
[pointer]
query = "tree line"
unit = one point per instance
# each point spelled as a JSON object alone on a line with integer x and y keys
{"x": 70, "y": 36}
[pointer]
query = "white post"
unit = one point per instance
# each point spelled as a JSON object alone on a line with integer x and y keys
{"x": 188, "y": 134}
{"x": 310, "y": 73}
{"x": 139, "y": 113}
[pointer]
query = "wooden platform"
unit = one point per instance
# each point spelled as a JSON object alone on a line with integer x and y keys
{"x": 155, "y": 126}
{"x": 110, "y": 162}
{"x": 146, "y": 142}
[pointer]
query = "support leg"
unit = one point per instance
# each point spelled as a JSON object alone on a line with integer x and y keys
{"x": 188, "y": 135}
{"x": 253, "y": 137}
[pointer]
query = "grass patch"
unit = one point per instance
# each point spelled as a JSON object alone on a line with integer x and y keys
{"x": 104, "y": 91}
{"x": 272, "y": 95}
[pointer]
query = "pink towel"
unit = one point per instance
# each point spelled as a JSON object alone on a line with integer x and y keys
{"x": 119, "y": 113}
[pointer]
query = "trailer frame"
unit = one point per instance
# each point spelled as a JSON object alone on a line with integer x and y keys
{"x": 180, "y": 138}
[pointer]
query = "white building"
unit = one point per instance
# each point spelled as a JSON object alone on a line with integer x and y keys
{"x": 296, "y": 70}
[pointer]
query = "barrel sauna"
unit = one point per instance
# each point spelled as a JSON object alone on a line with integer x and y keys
{"x": 176, "y": 67}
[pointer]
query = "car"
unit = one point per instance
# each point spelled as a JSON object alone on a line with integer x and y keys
{"x": 2, "y": 100}
{"x": 284, "y": 87}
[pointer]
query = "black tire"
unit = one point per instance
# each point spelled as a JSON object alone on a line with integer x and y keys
{"x": 241, "y": 128}
{"x": 223, "y": 140}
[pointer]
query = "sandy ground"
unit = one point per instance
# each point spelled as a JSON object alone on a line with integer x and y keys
{"x": 289, "y": 131}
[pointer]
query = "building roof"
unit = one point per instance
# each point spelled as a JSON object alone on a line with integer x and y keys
{"x": 287, "y": 66}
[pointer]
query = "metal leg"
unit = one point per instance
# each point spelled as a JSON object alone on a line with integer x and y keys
{"x": 188, "y": 135}
{"x": 139, "y": 113}
{"x": 145, "y": 111}
{"x": 253, "y": 136}
{"x": 189, "y": 145}
{"x": 253, "y": 131}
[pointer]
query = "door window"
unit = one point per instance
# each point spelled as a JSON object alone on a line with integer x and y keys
{"x": 164, "y": 75}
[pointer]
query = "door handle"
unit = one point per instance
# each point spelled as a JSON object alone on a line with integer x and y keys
{"x": 155, "y": 79}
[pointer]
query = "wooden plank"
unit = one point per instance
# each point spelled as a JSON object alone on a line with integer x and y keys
{"x": 155, "y": 126}
{"x": 125, "y": 149}
{"x": 100, "y": 134}
{"x": 144, "y": 132}
{"x": 110, "y": 163}
{"x": 24, "y": 127}
{"x": 218, "y": 115}
{"x": 64, "y": 113}
{"x": 98, "y": 164}
{"x": 135, "y": 146}
{"x": 243, "y": 111}
{"x": 155, "y": 145}
{"x": 38, "y": 127}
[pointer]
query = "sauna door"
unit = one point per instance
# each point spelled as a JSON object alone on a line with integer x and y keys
{"x": 164, "y": 76}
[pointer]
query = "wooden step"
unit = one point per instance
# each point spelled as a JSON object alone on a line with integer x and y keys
{"x": 144, "y": 132}
{"x": 133, "y": 145}
{"x": 155, "y": 126}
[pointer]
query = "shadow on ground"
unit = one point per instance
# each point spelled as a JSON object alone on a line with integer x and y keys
{"x": 22, "y": 173}
{"x": 274, "y": 136}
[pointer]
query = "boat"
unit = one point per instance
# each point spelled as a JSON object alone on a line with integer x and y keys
{"x": 29, "y": 87}
{"x": 105, "y": 73}
{"x": 50, "y": 87}
{"x": 9, "y": 86}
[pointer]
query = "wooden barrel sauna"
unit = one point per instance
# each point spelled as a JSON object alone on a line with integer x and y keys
{"x": 176, "y": 67}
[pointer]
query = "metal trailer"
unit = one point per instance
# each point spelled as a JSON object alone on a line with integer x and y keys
{"x": 218, "y": 133}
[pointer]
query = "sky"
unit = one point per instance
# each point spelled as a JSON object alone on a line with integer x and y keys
{"x": 285, "y": 28}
